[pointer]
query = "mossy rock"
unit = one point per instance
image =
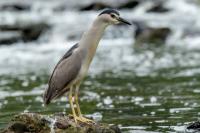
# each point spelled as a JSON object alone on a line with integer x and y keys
{"x": 58, "y": 123}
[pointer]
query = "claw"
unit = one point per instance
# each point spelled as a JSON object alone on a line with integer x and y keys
{"x": 70, "y": 115}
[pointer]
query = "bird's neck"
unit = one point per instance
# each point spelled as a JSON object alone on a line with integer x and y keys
{"x": 91, "y": 38}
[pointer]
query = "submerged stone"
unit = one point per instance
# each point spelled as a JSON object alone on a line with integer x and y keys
{"x": 129, "y": 4}
{"x": 158, "y": 7}
{"x": 145, "y": 34}
{"x": 22, "y": 31}
{"x": 194, "y": 126}
{"x": 95, "y": 6}
{"x": 15, "y": 7}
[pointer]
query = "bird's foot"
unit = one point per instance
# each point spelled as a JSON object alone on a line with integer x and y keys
{"x": 70, "y": 115}
{"x": 85, "y": 120}
{"x": 82, "y": 119}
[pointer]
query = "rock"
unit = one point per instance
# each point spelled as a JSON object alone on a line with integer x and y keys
{"x": 95, "y": 6}
{"x": 21, "y": 32}
{"x": 146, "y": 34}
{"x": 158, "y": 8}
{"x": 191, "y": 32}
{"x": 129, "y": 4}
{"x": 32, "y": 32}
{"x": 15, "y": 7}
{"x": 195, "y": 126}
{"x": 9, "y": 37}
{"x": 101, "y": 5}
{"x": 59, "y": 123}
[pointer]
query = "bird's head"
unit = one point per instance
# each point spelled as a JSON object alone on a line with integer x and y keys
{"x": 111, "y": 16}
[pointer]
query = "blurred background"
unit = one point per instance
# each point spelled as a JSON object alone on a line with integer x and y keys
{"x": 144, "y": 77}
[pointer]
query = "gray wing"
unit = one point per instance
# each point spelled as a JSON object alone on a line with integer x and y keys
{"x": 65, "y": 71}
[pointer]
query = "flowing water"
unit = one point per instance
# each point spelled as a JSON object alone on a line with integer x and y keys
{"x": 152, "y": 90}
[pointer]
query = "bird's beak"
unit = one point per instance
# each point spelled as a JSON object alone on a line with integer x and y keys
{"x": 123, "y": 21}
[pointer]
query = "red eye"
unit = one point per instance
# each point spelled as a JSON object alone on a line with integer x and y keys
{"x": 113, "y": 16}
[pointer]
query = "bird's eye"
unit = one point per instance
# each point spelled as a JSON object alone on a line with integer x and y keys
{"x": 113, "y": 16}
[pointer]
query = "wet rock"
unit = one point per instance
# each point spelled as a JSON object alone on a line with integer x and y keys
{"x": 9, "y": 37}
{"x": 100, "y": 5}
{"x": 129, "y": 4}
{"x": 21, "y": 32}
{"x": 14, "y": 7}
{"x": 146, "y": 34}
{"x": 158, "y": 8}
{"x": 195, "y": 126}
{"x": 95, "y": 6}
{"x": 19, "y": 128}
{"x": 191, "y": 32}
{"x": 59, "y": 123}
{"x": 32, "y": 32}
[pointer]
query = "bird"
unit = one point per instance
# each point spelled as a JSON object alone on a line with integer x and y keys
{"x": 73, "y": 66}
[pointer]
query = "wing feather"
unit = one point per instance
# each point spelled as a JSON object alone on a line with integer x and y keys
{"x": 64, "y": 73}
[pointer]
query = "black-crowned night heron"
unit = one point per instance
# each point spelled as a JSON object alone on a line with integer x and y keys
{"x": 73, "y": 66}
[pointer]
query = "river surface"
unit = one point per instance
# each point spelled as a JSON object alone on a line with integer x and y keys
{"x": 150, "y": 90}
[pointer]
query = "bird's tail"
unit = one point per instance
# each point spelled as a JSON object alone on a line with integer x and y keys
{"x": 47, "y": 97}
{"x": 49, "y": 94}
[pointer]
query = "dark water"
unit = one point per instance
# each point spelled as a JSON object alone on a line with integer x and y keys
{"x": 141, "y": 90}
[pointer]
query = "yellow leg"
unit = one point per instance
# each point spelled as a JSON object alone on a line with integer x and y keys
{"x": 77, "y": 104}
{"x": 80, "y": 116}
{"x": 72, "y": 105}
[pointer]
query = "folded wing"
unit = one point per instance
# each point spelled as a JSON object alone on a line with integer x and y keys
{"x": 64, "y": 73}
